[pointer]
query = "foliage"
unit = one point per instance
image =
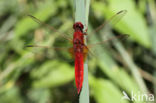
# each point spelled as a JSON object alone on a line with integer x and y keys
{"x": 39, "y": 75}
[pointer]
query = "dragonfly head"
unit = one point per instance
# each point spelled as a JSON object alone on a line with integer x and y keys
{"x": 78, "y": 25}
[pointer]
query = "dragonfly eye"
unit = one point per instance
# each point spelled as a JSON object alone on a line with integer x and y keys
{"x": 78, "y": 25}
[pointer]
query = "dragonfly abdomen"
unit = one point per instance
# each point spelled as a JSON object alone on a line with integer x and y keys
{"x": 79, "y": 70}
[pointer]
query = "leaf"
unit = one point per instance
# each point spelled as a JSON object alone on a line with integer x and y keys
{"x": 105, "y": 91}
{"x": 52, "y": 74}
{"x": 127, "y": 25}
{"x": 11, "y": 96}
{"x": 26, "y": 24}
{"x": 39, "y": 95}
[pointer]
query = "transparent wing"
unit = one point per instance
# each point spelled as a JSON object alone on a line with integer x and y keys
{"x": 121, "y": 37}
{"x": 95, "y": 49}
{"x": 60, "y": 48}
{"x": 109, "y": 23}
{"x": 46, "y": 52}
{"x": 50, "y": 28}
{"x": 100, "y": 41}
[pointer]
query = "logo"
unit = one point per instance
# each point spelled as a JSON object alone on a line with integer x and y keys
{"x": 138, "y": 96}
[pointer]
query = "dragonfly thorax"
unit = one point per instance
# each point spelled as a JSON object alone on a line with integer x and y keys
{"x": 78, "y": 42}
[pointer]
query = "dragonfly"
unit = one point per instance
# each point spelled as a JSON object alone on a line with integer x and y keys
{"x": 79, "y": 49}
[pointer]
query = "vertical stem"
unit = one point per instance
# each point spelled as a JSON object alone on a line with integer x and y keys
{"x": 133, "y": 68}
{"x": 81, "y": 14}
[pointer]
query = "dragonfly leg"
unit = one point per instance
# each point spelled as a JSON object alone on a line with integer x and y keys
{"x": 85, "y": 31}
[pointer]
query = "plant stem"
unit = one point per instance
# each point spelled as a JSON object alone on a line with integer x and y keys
{"x": 133, "y": 68}
{"x": 81, "y": 14}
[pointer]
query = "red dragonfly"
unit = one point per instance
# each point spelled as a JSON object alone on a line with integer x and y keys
{"x": 79, "y": 50}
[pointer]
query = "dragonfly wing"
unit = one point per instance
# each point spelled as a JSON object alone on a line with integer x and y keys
{"x": 121, "y": 37}
{"x": 98, "y": 41}
{"x": 50, "y": 28}
{"x": 113, "y": 20}
{"x": 94, "y": 49}
{"x": 110, "y": 22}
{"x": 85, "y": 52}
{"x": 71, "y": 51}
{"x": 50, "y": 52}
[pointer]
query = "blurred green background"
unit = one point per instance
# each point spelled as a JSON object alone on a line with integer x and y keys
{"x": 38, "y": 75}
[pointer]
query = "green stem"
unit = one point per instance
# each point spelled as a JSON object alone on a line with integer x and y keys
{"x": 133, "y": 68}
{"x": 81, "y": 14}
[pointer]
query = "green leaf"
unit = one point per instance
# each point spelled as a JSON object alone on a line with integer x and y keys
{"x": 105, "y": 91}
{"x": 11, "y": 96}
{"x": 27, "y": 24}
{"x": 39, "y": 95}
{"x": 133, "y": 23}
{"x": 52, "y": 74}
